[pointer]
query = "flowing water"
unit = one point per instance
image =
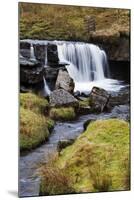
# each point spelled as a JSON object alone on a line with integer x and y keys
{"x": 29, "y": 181}
{"x": 32, "y": 56}
{"x": 88, "y": 66}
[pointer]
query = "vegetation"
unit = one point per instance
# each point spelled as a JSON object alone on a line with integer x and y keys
{"x": 54, "y": 181}
{"x": 33, "y": 129}
{"x": 40, "y": 21}
{"x": 33, "y": 102}
{"x": 34, "y": 126}
{"x": 84, "y": 103}
{"x": 99, "y": 158}
{"x": 63, "y": 113}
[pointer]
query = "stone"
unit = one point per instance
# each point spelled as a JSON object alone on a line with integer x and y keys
{"x": 99, "y": 99}
{"x": 86, "y": 123}
{"x": 61, "y": 97}
{"x": 52, "y": 55}
{"x": 64, "y": 143}
{"x": 40, "y": 52}
{"x": 64, "y": 81}
{"x": 84, "y": 110}
{"x": 25, "y": 49}
{"x": 31, "y": 72}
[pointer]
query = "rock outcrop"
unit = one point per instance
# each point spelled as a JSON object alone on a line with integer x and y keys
{"x": 99, "y": 99}
{"x": 31, "y": 72}
{"x": 61, "y": 97}
{"x": 117, "y": 46}
{"x": 64, "y": 81}
{"x": 52, "y": 55}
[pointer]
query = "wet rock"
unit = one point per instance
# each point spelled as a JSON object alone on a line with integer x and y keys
{"x": 77, "y": 93}
{"x": 25, "y": 49}
{"x": 52, "y": 55}
{"x": 86, "y": 123}
{"x": 31, "y": 72}
{"x": 99, "y": 99}
{"x": 122, "y": 112}
{"x": 84, "y": 110}
{"x": 64, "y": 81}
{"x": 61, "y": 97}
{"x": 63, "y": 144}
{"x": 120, "y": 98}
{"x": 24, "y": 89}
{"x": 40, "y": 52}
{"x": 116, "y": 45}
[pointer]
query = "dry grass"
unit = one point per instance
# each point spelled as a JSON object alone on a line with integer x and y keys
{"x": 38, "y": 21}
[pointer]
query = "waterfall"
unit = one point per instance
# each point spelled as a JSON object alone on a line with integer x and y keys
{"x": 47, "y": 91}
{"x": 32, "y": 56}
{"x": 45, "y": 65}
{"x": 87, "y": 65}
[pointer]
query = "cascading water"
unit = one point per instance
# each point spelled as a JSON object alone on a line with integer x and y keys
{"x": 47, "y": 90}
{"x": 87, "y": 65}
{"x": 32, "y": 56}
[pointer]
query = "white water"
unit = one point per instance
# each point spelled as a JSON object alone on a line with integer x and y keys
{"x": 87, "y": 65}
{"x": 32, "y": 56}
{"x": 47, "y": 90}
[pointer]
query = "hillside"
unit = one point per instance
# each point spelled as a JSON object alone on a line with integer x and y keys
{"x": 42, "y": 21}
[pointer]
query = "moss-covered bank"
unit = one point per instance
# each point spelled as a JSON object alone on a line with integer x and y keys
{"x": 97, "y": 161}
{"x": 34, "y": 125}
{"x": 37, "y": 119}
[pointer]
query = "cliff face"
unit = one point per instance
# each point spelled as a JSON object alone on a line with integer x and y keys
{"x": 117, "y": 47}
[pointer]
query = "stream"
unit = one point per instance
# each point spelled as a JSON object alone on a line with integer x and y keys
{"x": 29, "y": 181}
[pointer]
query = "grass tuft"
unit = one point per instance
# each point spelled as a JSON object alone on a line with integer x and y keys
{"x": 62, "y": 114}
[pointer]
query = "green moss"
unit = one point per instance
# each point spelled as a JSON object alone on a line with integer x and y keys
{"x": 33, "y": 129}
{"x": 33, "y": 102}
{"x": 34, "y": 126}
{"x": 84, "y": 103}
{"x": 63, "y": 114}
{"x": 99, "y": 158}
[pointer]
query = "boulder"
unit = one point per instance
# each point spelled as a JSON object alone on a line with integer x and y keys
{"x": 99, "y": 99}
{"x": 31, "y": 72}
{"x": 120, "y": 98}
{"x": 64, "y": 81}
{"x": 61, "y": 97}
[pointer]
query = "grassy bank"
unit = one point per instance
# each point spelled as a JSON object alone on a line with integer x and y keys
{"x": 37, "y": 119}
{"x": 38, "y": 21}
{"x": 97, "y": 161}
{"x": 34, "y": 125}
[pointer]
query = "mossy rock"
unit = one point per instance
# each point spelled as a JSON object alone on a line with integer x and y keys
{"x": 62, "y": 114}
{"x": 33, "y": 129}
{"x": 99, "y": 158}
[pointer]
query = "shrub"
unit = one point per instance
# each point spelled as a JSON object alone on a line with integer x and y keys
{"x": 33, "y": 129}
{"x": 63, "y": 114}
